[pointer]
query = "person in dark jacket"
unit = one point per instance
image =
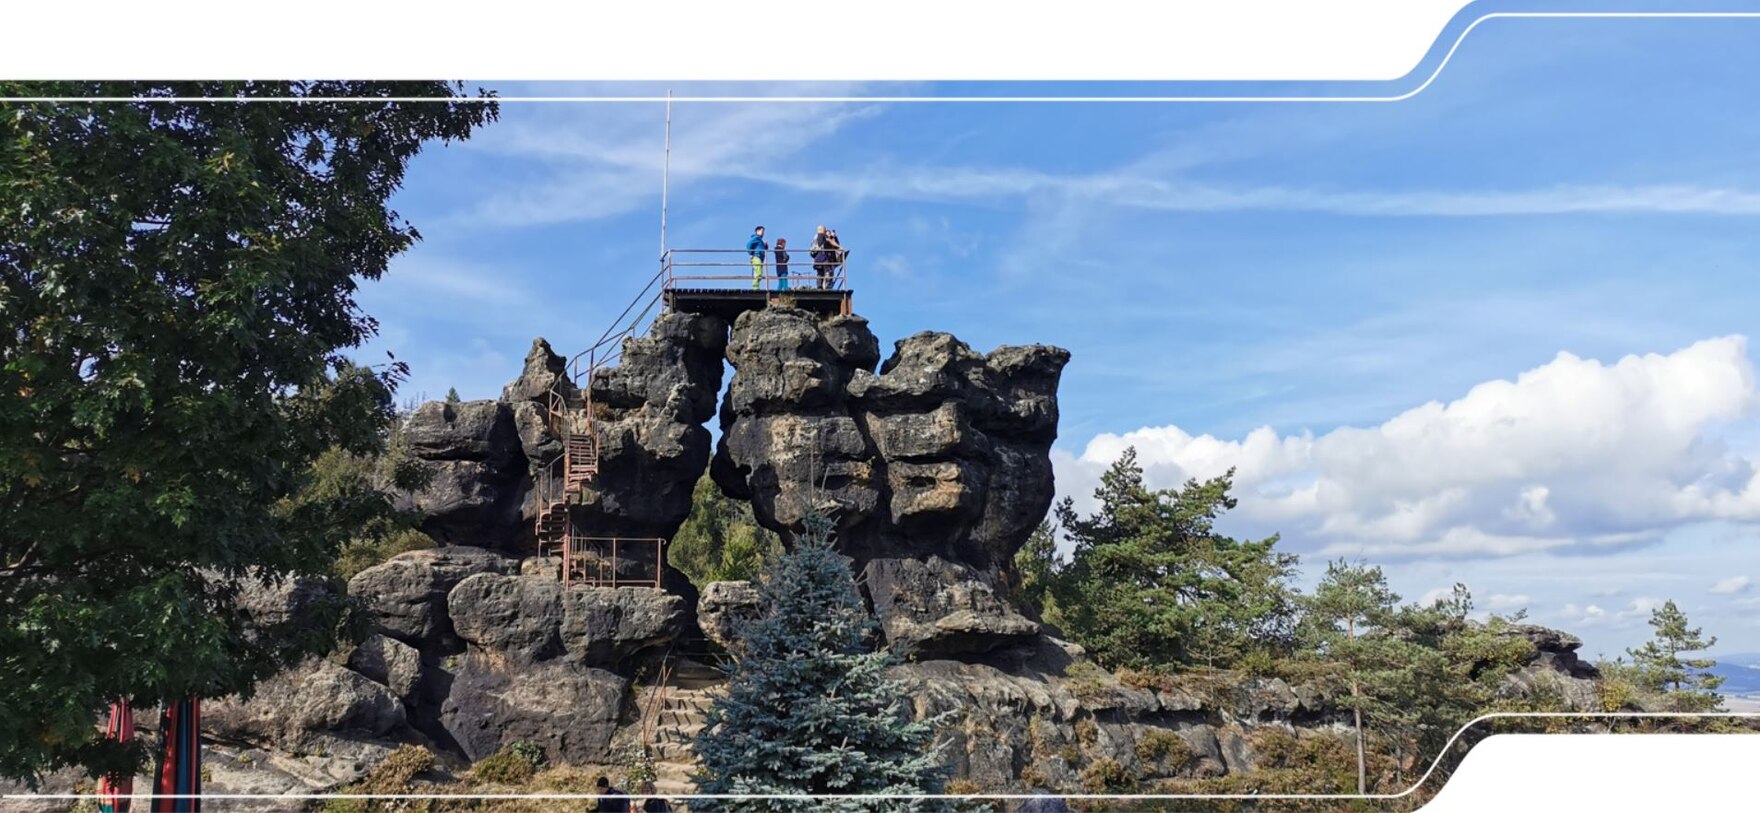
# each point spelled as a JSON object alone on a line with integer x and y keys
{"x": 820, "y": 251}
{"x": 781, "y": 263}
{"x": 655, "y": 804}
{"x": 757, "y": 247}
{"x": 611, "y": 800}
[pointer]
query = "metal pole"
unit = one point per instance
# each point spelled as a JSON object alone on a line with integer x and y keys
{"x": 665, "y": 174}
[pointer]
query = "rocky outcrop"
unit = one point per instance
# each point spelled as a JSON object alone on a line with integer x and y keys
{"x": 651, "y": 408}
{"x": 937, "y": 467}
{"x": 932, "y": 607}
{"x": 725, "y": 608}
{"x": 1554, "y": 670}
{"x": 471, "y": 457}
{"x": 316, "y": 698}
{"x": 569, "y": 710}
{"x": 388, "y": 661}
{"x": 545, "y": 663}
{"x": 407, "y": 594}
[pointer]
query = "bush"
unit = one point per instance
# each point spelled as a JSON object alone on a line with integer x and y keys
{"x": 1105, "y": 775}
{"x": 1166, "y": 751}
{"x": 1087, "y": 681}
{"x": 514, "y": 764}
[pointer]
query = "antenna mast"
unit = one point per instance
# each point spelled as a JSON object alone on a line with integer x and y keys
{"x": 665, "y": 174}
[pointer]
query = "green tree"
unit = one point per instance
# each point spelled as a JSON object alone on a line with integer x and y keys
{"x": 808, "y": 708}
{"x": 1349, "y": 603}
{"x": 452, "y": 395}
{"x": 1150, "y": 582}
{"x": 1036, "y": 569}
{"x": 1687, "y": 685}
{"x": 177, "y": 283}
{"x": 720, "y": 540}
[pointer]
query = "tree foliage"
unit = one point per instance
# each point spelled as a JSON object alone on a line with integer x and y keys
{"x": 1686, "y": 684}
{"x": 808, "y": 709}
{"x": 720, "y": 540}
{"x": 1151, "y": 583}
{"x": 177, "y": 280}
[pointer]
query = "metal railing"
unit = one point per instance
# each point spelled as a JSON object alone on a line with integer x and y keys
{"x": 595, "y": 561}
{"x": 733, "y": 268}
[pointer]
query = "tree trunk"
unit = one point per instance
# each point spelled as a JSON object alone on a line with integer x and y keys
{"x": 1357, "y": 713}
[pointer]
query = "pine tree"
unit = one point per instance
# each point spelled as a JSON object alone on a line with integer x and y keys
{"x": 1688, "y": 686}
{"x": 452, "y": 395}
{"x": 1151, "y": 584}
{"x": 809, "y": 709}
{"x": 1350, "y": 601}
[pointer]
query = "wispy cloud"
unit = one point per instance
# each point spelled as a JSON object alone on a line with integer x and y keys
{"x": 586, "y": 162}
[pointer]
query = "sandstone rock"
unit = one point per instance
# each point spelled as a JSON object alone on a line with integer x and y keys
{"x": 477, "y": 478}
{"x": 515, "y": 619}
{"x": 605, "y": 626}
{"x": 649, "y": 414}
{"x": 934, "y": 607}
{"x": 512, "y": 621}
{"x": 545, "y": 372}
{"x": 569, "y": 710}
{"x": 724, "y": 608}
{"x": 1238, "y": 754}
{"x": 944, "y": 453}
{"x": 391, "y": 662}
{"x": 1554, "y": 650}
{"x": 316, "y": 697}
{"x": 407, "y": 594}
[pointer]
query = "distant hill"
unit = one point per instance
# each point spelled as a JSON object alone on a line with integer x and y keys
{"x": 1741, "y": 674}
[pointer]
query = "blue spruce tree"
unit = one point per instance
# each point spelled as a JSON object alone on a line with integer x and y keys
{"x": 809, "y": 709}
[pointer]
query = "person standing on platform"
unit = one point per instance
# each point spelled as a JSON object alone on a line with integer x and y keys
{"x": 756, "y": 247}
{"x": 838, "y": 253}
{"x": 781, "y": 263}
{"x": 821, "y": 253}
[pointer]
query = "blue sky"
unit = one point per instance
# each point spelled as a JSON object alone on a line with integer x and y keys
{"x": 1280, "y": 288}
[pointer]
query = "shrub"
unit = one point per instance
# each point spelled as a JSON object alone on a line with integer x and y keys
{"x": 512, "y": 765}
{"x": 1087, "y": 681}
{"x": 1106, "y": 775}
{"x": 1164, "y": 750}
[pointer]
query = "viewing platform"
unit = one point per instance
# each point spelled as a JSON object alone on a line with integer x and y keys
{"x": 721, "y": 282}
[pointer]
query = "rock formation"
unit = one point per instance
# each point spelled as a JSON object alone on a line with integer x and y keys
{"x": 935, "y": 466}
{"x": 936, "y": 469}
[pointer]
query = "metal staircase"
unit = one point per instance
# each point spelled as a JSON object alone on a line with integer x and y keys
{"x": 566, "y": 476}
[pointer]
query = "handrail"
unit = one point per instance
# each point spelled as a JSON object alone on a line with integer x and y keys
{"x": 813, "y": 274}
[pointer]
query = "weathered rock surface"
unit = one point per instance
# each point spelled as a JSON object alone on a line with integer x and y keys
{"x": 942, "y": 458}
{"x": 518, "y": 620}
{"x": 568, "y": 709}
{"x": 726, "y": 607}
{"x": 407, "y": 594}
{"x": 315, "y": 698}
{"x": 541, "y": 660}
{"x": 930, "y": 607}
{"x": 391, "y": 662}
{"x": 1554, "y": 670}
{"x": 654, "y": 447}
{"x": 545, "y": 373}
{"x": 476, "y": 469}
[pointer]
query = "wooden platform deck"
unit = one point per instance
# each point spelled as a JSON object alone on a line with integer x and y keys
{"x": 729, "y": 303}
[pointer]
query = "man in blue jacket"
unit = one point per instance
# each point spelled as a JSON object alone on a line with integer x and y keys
{"x": 756, "y": 247}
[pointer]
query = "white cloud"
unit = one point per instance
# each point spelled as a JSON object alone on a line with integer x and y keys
{"x": 1499, "y": 602}
{"x": 1574, "y": 454}
{"x": 1733, "y": 585}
